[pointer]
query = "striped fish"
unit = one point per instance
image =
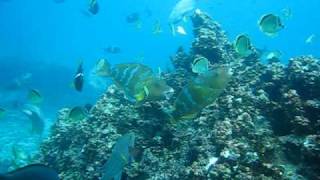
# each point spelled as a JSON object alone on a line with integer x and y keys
{"x": 138, "y": 81}
{"x": 200, "y": 92}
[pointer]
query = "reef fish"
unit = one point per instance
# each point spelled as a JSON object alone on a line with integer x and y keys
{"x": 112, "y": 50}
{"x": 31, "y": 172}
{"x": 242, "y": 45}
{"x": 200, "y": 65}
{"x": 310, "y": 39}
{"x": 200, "y": 92}
{"x": 77, "y": 113}
{"x": 79, "y": 78}
{"x": 180, "y": 12}
{"x": 35, "y": 97}
{"x": 2, "y": 113}
{"x": 270, "y": 24}
{"x": 33, "y": 113}
{"x": 138, "y": 81}
{"x": 93, "y": 7}
{"x": 121, "y": 156}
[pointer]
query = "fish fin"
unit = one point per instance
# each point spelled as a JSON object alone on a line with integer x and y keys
{"x": 118, "y": 176}
{"x": 146, "y": 90}
{"x": 185, "y": 19}
{"x": 173, "y": 29}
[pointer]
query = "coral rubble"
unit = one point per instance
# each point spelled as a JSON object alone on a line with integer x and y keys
{"x": 265, "y": 125}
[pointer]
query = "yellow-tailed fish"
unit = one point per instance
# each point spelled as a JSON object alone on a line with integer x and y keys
{"x": 200, "y": 92}
{"x": 138, "y": 81}
{"x": 270, "y": 24}
{"x": 243, "y": 45}
{"x": 35, "y": 97}
{"x": 200, "y": 65}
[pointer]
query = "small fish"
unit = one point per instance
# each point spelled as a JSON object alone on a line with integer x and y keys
{"x": 180, "y": 30}
{"x": 35, "y": 97}
{"x": 270, "y": 24}
{"x": 243, "y": 46}
{"x": 199, "y": 93}
{"x": 31, "y": 172}
{"x": 310, "y": 39}
{"x": 59, "y": 1}
{"x": 33, "y": 113}
{"x": 273, "y": 55}
{"x": 200, "y": 65}
{"x": 2, "y": 113}
{"x": 133, "y": 18}
{"x": 101, "y": 68}
{"x": 79, "y": 78}
{"x": 93, "y": 7}
{"x": 286, "y": 13}
{"x": 77, "y": 113}
{"x": 157, "y": 29}
{"x": 112, "y": 50}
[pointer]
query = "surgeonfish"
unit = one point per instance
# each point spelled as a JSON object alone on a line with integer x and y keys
{"x": 120, "y": 157}
{"x": 180, "y": 12}
{"x": 35, "y": 97}
{"x": 77, "y": 113}
{"x": 93, "y": 7}
{"x": 200, "y": 65}
{"x": 199, "y": 93}
{"x": 37, "y": 122}
{"x": 2, "y": 113}
{"x": 243, "y": 45}
{"x": 31, "y": 172}
{"x": 79, "y": 78}
{"x": 138, "y": 82}
{"x": 270, "y": 24}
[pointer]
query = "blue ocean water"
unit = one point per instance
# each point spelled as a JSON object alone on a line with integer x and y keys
{"x": 46, "y": 40}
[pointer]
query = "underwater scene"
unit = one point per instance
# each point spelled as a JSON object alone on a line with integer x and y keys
{"x": 159, "y": 90}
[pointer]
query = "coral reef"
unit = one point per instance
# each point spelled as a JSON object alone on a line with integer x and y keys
{"x": 265, "y": 125}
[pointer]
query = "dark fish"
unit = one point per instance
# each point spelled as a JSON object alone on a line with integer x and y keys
{"x": 31, "y": 172}
{"x": 133, "y": 18}
{"x": 79, "y": 78}
{"x": 88, "y": 107}
{"x": 112, "y": 50}
{"x": 77, "y": 113}
{"x": 93, "y": 7}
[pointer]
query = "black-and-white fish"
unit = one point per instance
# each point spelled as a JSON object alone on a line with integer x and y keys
{"x": 79, "y": 78}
